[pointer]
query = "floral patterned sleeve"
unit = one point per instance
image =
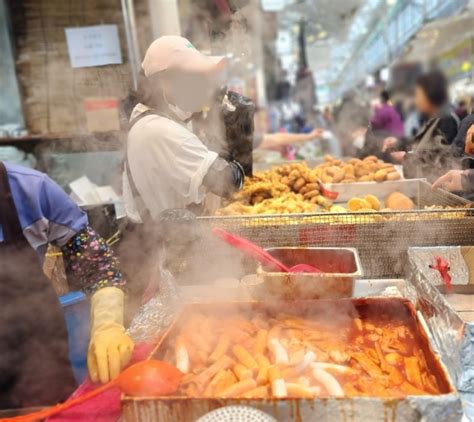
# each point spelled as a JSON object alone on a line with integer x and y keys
{"x": 91, "y": 263}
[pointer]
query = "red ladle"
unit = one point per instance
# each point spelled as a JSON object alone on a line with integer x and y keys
{"x": 261, "y": 255}
{"x": 148, "y": 378}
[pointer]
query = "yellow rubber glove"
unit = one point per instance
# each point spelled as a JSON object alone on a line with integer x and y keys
{"x": 110, "y": 348}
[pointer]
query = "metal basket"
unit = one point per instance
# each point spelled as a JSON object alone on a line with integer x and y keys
{"x": 381, "y": 238}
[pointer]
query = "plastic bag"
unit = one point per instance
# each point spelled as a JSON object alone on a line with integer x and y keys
{"x": 228, "y": 128}
{"x": 239, "y": 129}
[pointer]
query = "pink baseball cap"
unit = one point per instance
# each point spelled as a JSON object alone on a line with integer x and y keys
{"x": 173, "y": 52}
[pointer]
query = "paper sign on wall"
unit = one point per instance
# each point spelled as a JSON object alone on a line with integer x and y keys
{"x": 273, "y": 5}
{"x": 93, "y": 45}
{"x": 102, "y": 114}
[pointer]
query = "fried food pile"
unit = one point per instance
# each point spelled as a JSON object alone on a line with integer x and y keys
{"x": 297, "y": 189}
{"x": 368, "y": 203}
{"x": 288, "y": 189}
{"x": 262, "y": 355}
{"x": 395, "y": 201}
{"x": 370, "y": 169}
{"x": 399, "y": 201}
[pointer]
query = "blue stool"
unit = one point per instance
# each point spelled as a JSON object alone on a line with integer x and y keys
{"x": 77, "y": 313}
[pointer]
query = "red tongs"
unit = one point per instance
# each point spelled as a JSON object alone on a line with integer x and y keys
{"x": 261, "y": 255}
{"x": 442, "y": 266}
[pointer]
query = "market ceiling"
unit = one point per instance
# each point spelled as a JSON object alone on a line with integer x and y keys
{"x": 334, "y": 29}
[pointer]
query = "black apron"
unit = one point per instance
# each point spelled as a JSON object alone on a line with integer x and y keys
{"x": 34, "y": 362}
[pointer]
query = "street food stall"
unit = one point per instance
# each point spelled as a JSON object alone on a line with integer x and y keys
{"x": 352, "y": 337}
{"x": 232, "y": 280}
{"x": 319, "y": 345}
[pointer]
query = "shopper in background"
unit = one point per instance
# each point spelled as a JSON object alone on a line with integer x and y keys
{"x": 351, "y": 118}
{"x": 428, "y": 153}
{"x": 412, "y": 121}
{"x": 34, "y": 363}
{"x": 386, "y": 118}
{"x": 328, "y": 117}
{"x": 464, "y": 141}
{"x": 461, "y": 110}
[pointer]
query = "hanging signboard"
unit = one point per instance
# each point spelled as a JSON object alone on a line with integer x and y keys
{"x": 90, "y": 46}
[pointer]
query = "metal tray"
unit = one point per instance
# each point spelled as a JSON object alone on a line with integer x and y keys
{"x": 339, "y": 266}
{"x": 445, "y": 407}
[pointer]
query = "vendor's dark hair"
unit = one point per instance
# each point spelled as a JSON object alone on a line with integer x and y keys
{"x": 385, "y": 96}
{"x": 149, "y": 90}
{"x": 435, "y": 86}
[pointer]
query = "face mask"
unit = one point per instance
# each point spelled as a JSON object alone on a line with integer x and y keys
{"x": 191, "y": 93}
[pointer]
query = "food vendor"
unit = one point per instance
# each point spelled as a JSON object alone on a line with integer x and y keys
{"x": 167, "y": 165}
{"x": 174, "y": 158}
{"x": 34, "y": 364}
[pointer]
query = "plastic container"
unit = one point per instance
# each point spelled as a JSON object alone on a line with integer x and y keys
{"x": 77, "y": 313}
